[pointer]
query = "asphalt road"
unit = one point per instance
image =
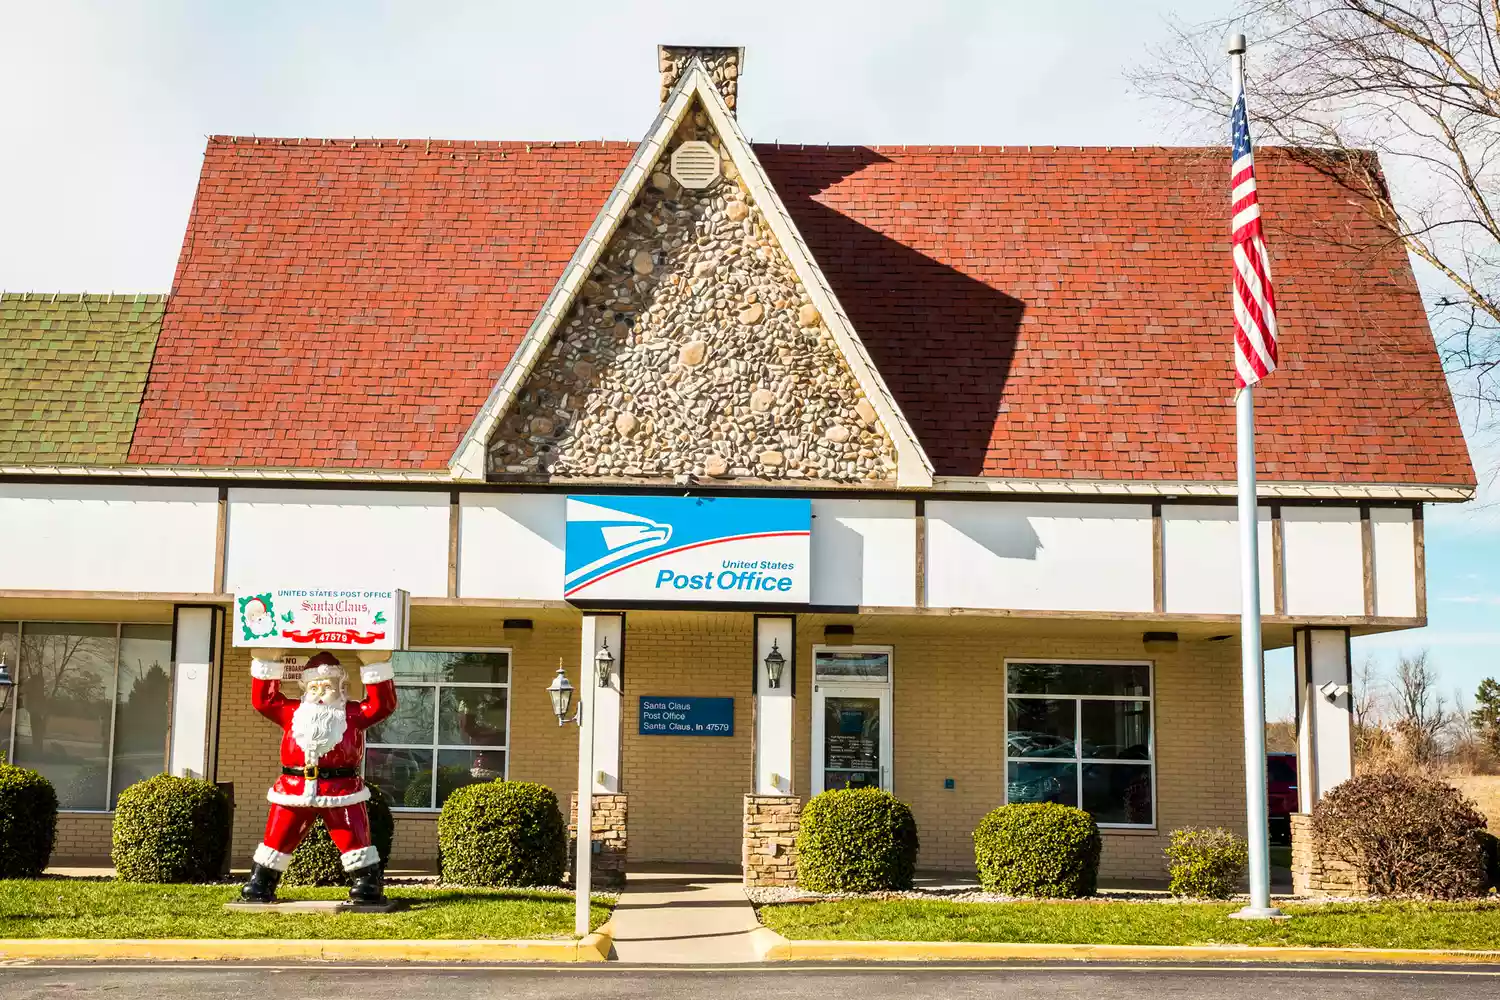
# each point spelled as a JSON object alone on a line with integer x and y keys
{"x": 159, "y": 982}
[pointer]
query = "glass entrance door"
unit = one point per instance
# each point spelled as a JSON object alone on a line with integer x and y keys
{"x": 851, "y": 718}
{"x": 851, "y": 742}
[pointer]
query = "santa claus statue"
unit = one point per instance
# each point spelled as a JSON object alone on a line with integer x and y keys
{"x": 322, "y": 746}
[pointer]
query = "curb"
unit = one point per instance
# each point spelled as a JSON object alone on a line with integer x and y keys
{"x": 594, "y": 947}
{"x": 783, "y": 950}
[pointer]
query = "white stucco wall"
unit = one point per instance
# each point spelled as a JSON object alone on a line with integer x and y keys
{"x": 1395, "y": 562}
{"x": 864, "y": 552}
{"x": 511, "y": 545}
{"x": 338, "y": 538}
{"x": 1323, "y": 560}
{"x": 1039, "y": 556}
{"x": 1201, "y": 558}
{"x": 107, "y": 538}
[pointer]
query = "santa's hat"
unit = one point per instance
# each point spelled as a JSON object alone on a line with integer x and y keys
{"x": 323, "y": 666}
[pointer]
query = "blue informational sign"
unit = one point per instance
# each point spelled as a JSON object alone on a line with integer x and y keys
{"x": 663, "y": 715}
{"x": 689, "y": 549}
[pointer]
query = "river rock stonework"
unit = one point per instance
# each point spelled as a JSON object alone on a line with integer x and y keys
{"x": 723, "y": 65}
{"x": 692, "y": 350}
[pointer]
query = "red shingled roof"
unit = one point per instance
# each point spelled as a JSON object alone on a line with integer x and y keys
{"x": 1043, "y": 313}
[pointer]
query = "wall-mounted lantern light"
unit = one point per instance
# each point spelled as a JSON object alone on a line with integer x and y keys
{"x": 775, "y": 664}
{"x": 604, "y": 662}
{"x": 561, "y": 693}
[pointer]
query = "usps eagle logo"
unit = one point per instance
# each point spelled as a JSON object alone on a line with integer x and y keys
{"x": 615, "y": 538}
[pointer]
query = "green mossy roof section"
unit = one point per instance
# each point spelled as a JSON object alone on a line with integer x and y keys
{"x": 72, "y": 370}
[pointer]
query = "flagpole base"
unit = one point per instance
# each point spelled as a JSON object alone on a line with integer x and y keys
{"x": 1258, "y": 913}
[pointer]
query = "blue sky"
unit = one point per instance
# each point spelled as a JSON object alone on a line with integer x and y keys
{"x": 106, "y": 106}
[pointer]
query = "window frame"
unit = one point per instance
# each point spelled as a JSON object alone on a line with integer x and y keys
{"x": 114, "y": 709}
{"x": 1077, "y": 759}
{"x": 435, "y": 747}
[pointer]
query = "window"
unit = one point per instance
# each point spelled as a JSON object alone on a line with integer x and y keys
{"x": 1080, "y": 734}
{"x": 90, "y": 710}
{"x": 451, "y": 726}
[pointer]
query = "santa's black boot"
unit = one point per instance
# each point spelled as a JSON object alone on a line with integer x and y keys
{"x": 369, "y": 885}
{"x": 261, "y": 888}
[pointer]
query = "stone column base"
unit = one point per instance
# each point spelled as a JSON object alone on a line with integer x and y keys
{"x": 1314, "y": 873}
{"x": 769, "y": 854}
{"x": 609, "y": 813}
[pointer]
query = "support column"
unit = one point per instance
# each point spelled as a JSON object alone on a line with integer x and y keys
{"x": 1325, "y": 712}
{"x": 774, "y": 706}
{"x": 599, "y": 631}
{"x": 195, "y": 644}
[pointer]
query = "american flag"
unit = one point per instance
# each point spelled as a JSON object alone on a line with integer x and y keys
{"x": 1254, "y": 303}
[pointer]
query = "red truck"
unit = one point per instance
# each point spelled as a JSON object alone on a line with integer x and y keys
{"x": 1281, "y": 794}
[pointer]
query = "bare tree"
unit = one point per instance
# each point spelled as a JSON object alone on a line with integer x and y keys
{"x": 1421, "y": 714}
{"x": 1417, "y": 83}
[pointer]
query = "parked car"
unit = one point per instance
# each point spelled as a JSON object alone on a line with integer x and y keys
{"x": 1281, "y": 794}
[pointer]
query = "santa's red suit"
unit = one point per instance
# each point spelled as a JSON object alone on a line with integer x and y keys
{"x": 322, "y": 747}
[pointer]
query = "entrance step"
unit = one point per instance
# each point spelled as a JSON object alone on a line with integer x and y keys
{"x": 685, "y": 915}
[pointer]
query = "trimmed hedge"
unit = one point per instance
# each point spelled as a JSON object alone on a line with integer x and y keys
{"x": 1206, "y": 864}
{"x": 856, "y": 840}
{"x": 28, "y": 821}
{"x": 502, "y": 833}
{"x": 1404, "y": 835}
{"x": 1038, "y": 849}
{"x": 169, "y": 829}
{"x": 316, "y": 859}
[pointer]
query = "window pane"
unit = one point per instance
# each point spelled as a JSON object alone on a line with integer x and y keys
{"x": 831, "y": 664}
{"x": 851, "y": 743}
{"x": 1040, "y": 727}
{"x": 465, "y": 668}
{"x": 405, "y": 776}
{"x": 1120, "y": 730}
{"x": 1042, "y": 783}
{"x": 1079, "y": 678}
{"x": 1118, "y": 793}
{"x": 145, "y": 690}
{"x": 457, "y": 768}
{"x": 472, "y": 716}
{"x": 411, "y": 722}
{"x": 10, "y": 655}
{"x": 66, "y": 696}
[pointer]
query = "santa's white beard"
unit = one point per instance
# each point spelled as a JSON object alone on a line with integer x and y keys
{"x": 317, "y": 727}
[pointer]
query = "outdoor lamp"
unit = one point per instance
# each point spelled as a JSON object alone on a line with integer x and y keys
{"x": 775, "y": 664}
{"x": 604, "y": 660}
{"x": 561, "y": 693}
{"x": 6, "y": 684}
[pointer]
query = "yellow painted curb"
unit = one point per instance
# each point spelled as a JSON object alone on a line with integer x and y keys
{"x": 593, "y": 948}
{"x": 960, "y": 951}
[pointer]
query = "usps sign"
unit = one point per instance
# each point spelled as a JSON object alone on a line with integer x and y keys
{"x": 689, "y": 549}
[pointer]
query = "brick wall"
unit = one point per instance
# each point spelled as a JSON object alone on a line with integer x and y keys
{"x": 82, "y": 838}
{"x": 686, "y": 792}
{"x": 949, "y": 722}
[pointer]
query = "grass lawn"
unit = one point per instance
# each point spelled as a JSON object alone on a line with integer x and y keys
{"x": 86, "y": 908}
{"x": 1357, "y": 925}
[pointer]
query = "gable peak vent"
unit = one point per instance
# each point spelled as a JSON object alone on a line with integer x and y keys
{"x": 695, "y": 164}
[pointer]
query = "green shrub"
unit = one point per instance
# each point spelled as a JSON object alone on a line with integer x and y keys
{"x": 170, "y": 829}
{"x": 856, "y": 840}
{"x": 502, "y": 833}
{"x": 1038, "y": 849}
{"x": 316, "y": 859}
{"x": 1206, "y": 864}
{"x": 28, "y": 821}
{"x": 418, "y": 794}
{"x": 1404, "y": 835}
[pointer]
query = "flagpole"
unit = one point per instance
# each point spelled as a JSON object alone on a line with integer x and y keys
{"x": 1252, "y": 663}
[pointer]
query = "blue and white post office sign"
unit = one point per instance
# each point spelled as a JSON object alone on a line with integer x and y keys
{"x": 689, "y": 549}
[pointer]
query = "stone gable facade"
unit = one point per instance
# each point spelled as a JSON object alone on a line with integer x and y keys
{"x": 693, "y": 350}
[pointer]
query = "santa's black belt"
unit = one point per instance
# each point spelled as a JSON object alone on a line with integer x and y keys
{"x": 321, "y": 772}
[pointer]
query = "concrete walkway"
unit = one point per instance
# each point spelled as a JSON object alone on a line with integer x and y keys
{"x": 681, "y": 915}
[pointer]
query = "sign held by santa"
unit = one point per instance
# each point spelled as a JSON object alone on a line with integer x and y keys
{"x": 322, "y": 748}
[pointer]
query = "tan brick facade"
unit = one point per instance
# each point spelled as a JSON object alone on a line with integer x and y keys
{"x": 686, "y": 794}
